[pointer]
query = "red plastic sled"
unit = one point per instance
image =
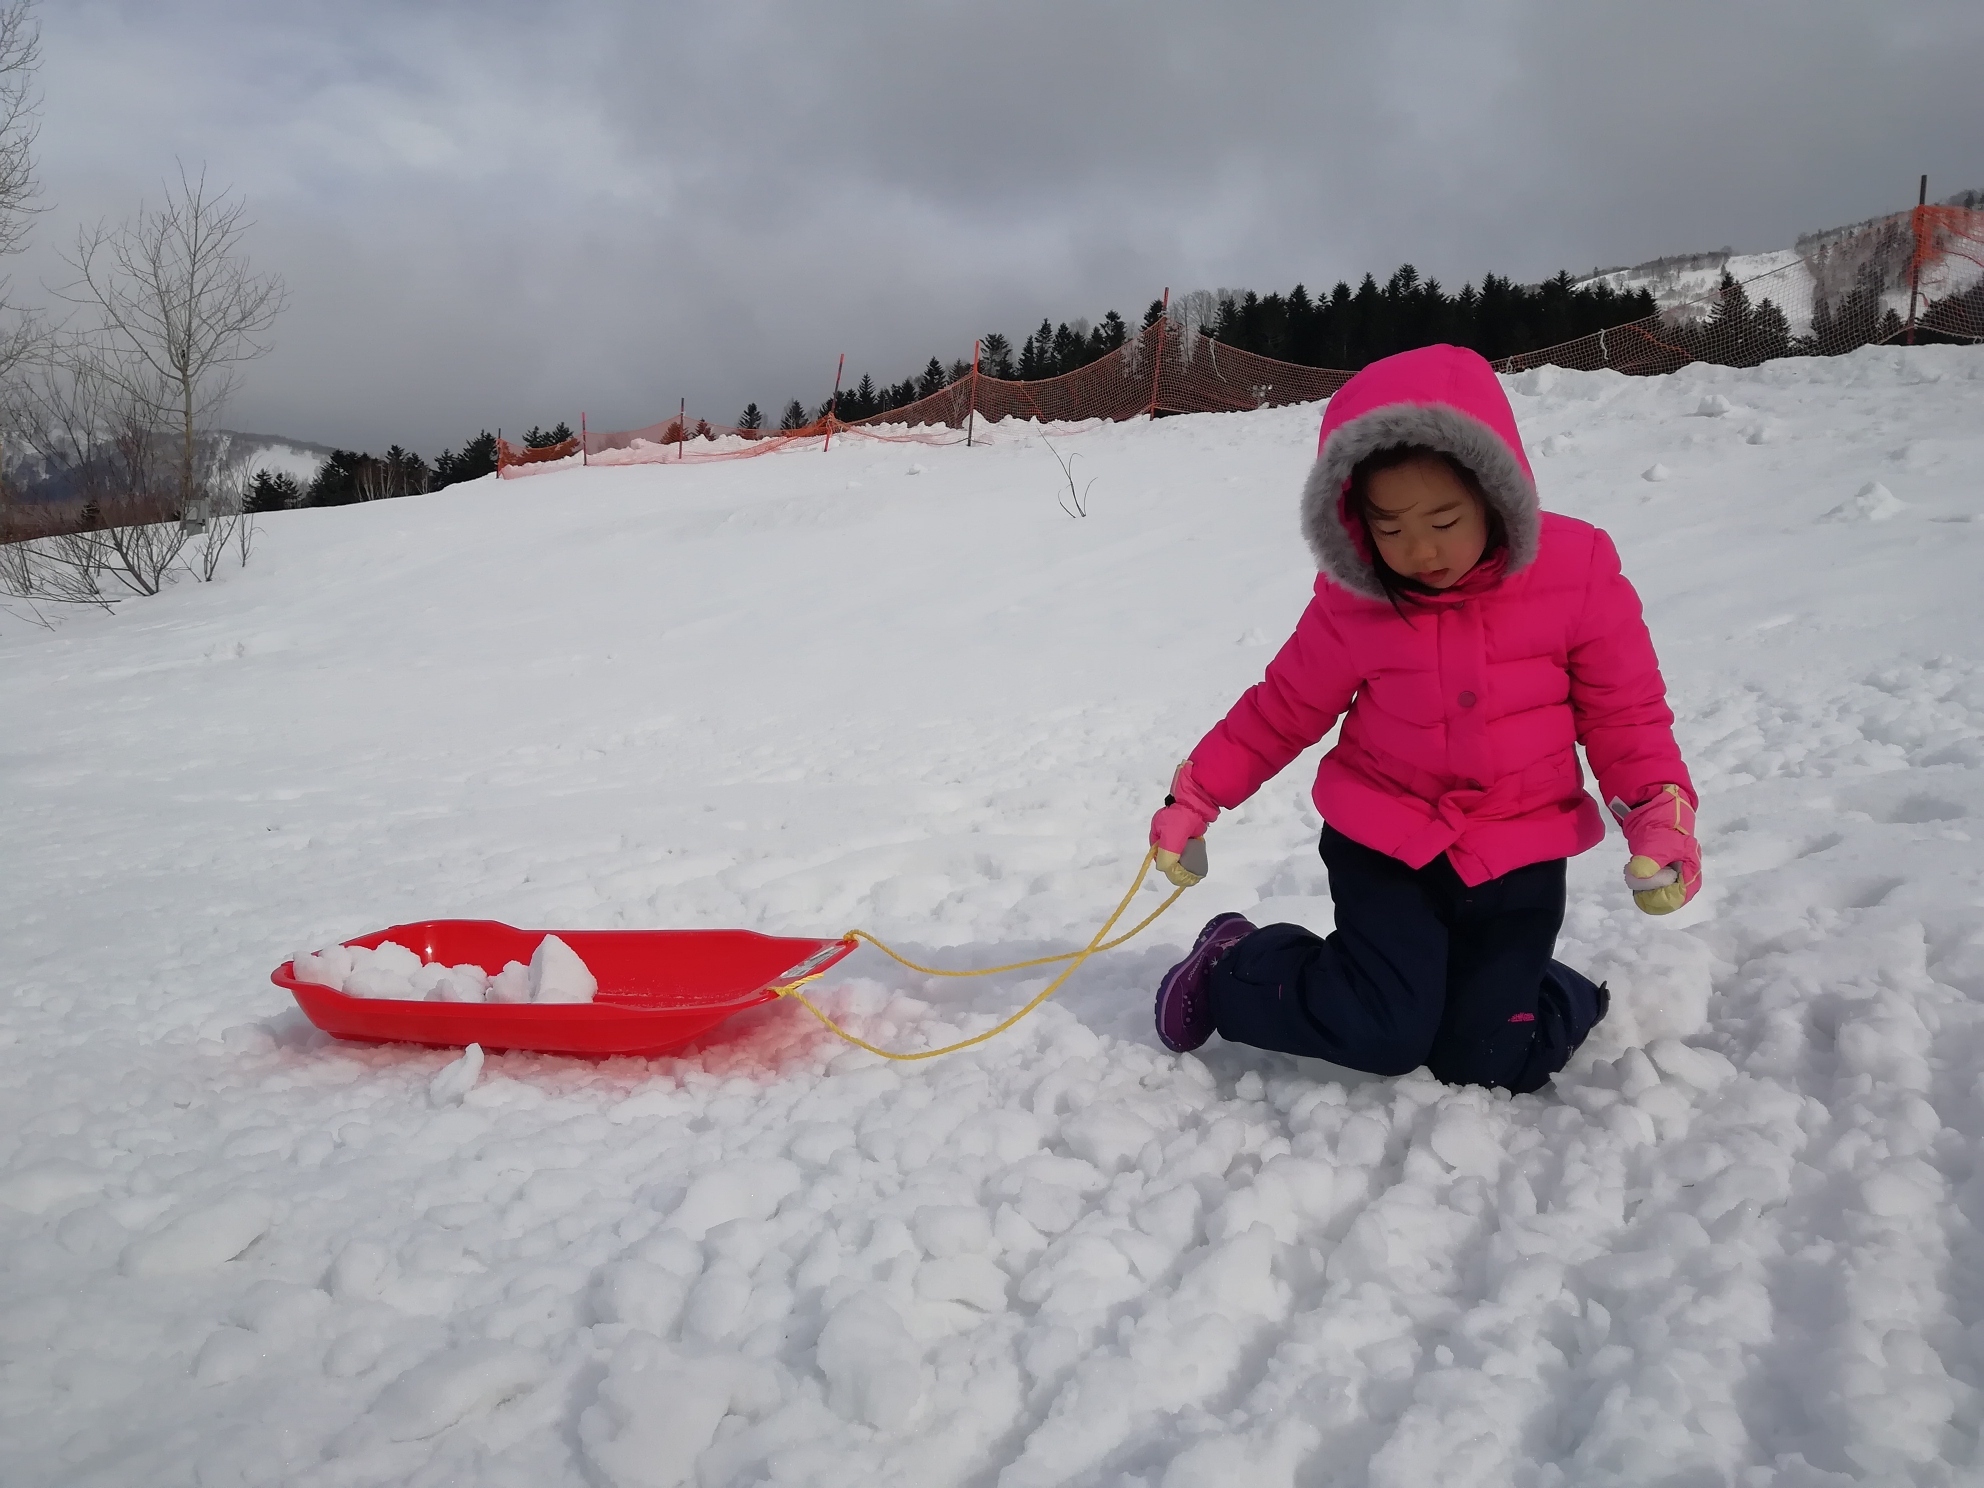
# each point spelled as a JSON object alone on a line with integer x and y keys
{"x": 658, "y": 989}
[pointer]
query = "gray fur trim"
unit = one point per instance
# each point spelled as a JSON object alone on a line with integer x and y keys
{"x": 1508, "y": 487}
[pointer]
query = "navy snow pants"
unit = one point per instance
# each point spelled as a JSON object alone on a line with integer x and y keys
{"x": 1421, "y": 969}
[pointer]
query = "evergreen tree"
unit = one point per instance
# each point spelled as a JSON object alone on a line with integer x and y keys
{"x": 1067, "y": 350}
{"x": 1770, "y": 332}
{"x": 544, "y": 438}
{"x": 794, "y": 417}
{"x": 753, "y": 417}
{"x": 349, "y": 476}
{"x": 1721, "y": 336}
{"x": 1367, "y": 331}
{"x": 477, "y": 459}
{"x": 272, "y": 491}
{"x": 1952, "y": 318}
{"x": 1736, "y": 332}
{"x": 1301, "y": 326}
{"x": 1225, "y": 320}
{"x": 336, "y": 480}
{"x": 1856, "y": 320}
{"x": 1348, "y": 329}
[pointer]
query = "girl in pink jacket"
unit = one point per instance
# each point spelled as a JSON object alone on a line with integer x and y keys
{"x": 1469, "y": 642}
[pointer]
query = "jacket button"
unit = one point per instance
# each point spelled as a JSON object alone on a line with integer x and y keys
{"x": 1467, "y": 700}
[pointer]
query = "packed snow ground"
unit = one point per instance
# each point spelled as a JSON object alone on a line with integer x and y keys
{"x": 1737, "y": 1243}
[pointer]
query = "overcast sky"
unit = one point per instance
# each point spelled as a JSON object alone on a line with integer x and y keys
{"x": 499, "y": 213}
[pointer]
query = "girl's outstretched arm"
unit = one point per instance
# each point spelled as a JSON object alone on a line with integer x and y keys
{"x": 1306, "y": 689}
{"x": 1617, "y": 692}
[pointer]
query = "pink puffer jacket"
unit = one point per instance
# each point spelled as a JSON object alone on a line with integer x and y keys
{"x": 1460, "y": 720}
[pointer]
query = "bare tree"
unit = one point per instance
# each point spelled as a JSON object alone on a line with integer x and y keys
{"x": 20, "y": 55}
{"x": 59, "y": 409}
{"x": 141, "y": 523}
{"x": 229, "y": 523}
{"x": 56, "y": 410}
{"x": 72, "y": 411}
{"x": 65, "y": 567}
{"x": 376, "y": 480}
{"x": 177, "y": 307}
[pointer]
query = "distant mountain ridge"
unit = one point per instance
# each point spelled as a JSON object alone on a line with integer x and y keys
{"x": 231, "y": 452}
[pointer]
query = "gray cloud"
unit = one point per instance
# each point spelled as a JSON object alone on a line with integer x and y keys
{"x": 502, "y": 213}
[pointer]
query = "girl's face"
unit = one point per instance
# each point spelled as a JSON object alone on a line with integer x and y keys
{"x": 1426, "y": 523}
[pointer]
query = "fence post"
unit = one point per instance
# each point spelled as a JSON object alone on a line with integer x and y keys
{"x": 1916, "y": 221}
{"x": 833, "y": 405}
{"x": 971, "y": 403}
{"x": 1157, "y": 368}
{"x": 585, "y": 455}
{"x": 682, "y": 430}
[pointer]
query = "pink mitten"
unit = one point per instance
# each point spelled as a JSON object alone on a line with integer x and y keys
{"x": 1178, "y": 831}
{"x": 1666, "y": 866}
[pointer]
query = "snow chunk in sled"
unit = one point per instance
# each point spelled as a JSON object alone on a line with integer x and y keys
{"x": 658, "y": 989}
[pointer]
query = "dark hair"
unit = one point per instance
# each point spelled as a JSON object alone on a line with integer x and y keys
{"x": 1399, "y": 587}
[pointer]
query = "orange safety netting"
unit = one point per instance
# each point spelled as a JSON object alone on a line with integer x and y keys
{"x": 508, "y": 454}
{"x": 1949, "y": 269}
{"x": 1914, "y": 276}
{"x": 1162, "y": 369}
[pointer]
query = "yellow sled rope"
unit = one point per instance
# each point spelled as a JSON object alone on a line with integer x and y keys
{"x": 1101, "y": 942}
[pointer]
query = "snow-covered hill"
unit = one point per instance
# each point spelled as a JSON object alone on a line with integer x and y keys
{"x": 895, "y": 687}
{"x": 1682, "y": 278}
{"x": 1820, "y": 263}
{"x": 280, "y": 455}
{"x": 231, "y": 457}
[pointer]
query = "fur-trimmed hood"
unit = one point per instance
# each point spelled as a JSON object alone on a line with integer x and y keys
{"x": 1445, "y": 397}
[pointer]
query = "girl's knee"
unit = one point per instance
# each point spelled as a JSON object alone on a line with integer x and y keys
{"x": 1399, "y": 1050}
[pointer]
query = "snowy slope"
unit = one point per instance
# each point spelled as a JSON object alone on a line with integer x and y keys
{"x": 248, "y": 453}
{"x": 1791, "y": 277}
{"x": 895, "y": 687}
{"x": 1683, "y": 280}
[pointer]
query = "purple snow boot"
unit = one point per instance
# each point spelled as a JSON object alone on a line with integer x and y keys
{"x": 1184, "y": 1001}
